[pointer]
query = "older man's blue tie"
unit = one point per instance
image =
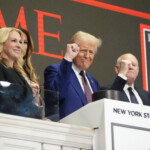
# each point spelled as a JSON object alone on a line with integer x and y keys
{"x": 87, "y": 89}
{"x": 132, "y": 96}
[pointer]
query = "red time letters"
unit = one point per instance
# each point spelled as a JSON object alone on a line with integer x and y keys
{"x": 41, "y": 33}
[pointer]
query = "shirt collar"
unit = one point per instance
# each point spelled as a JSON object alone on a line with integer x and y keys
{"x": 126, "y": 87}
{"x": 76, "y": 69}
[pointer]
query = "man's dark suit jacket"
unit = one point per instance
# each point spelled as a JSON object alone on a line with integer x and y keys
{"x": 145, "y": 96}
{"x": 61, "y": 77}
{"x": 119, "y": 84}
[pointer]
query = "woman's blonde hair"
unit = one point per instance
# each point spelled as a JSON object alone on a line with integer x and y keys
{"x": 18, "y": 64}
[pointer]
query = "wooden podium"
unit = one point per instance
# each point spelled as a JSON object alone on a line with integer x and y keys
{"x": 118, "y": 125}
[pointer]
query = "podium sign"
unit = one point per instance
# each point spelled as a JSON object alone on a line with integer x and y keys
{"x": 118, "y": 125}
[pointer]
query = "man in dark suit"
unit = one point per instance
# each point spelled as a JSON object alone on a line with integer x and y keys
{"x": 127, "y": 68}
{"x": 65, "y": 77}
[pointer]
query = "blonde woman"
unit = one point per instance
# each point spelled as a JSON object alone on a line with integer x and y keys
{"x": 17, "y": 97}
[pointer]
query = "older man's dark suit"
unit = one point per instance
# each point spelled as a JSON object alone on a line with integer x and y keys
{"x": 145, "y": 96}
{"x": 119, "y": 85}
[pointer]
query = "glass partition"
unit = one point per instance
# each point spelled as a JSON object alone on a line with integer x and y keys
{"x": 51, "y": 99}
{"x": 23, "y": 101}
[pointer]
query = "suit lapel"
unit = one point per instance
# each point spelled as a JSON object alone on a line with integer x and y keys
{"x": 124, "y": 97}
{"x": 142, "y": 95}
{"x": 92, "y": 83}
{"x": 76, "y": 85}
